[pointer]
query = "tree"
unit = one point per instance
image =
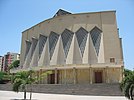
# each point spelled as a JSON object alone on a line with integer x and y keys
{"x": 14, "y": 64}
{"x": 4, "y": 77}
{"x": 22, "y": 79}
{"x": 127, "y": 72}
{"x": 37, "y": 79}
{"x": 127, "y": 84}
{"x": 1, "y": 76}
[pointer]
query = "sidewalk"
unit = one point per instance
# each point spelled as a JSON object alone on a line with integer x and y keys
{"x": 10, "y": 95}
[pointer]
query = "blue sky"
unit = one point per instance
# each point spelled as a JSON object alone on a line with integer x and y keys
{"x": 18, "y": 15}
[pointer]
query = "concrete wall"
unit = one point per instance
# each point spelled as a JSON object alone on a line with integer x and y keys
{"x": 114, "y": 75}
{"x": 83, "y": 76}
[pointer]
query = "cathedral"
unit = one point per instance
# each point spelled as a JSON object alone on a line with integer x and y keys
{"x": 81, "y": 48}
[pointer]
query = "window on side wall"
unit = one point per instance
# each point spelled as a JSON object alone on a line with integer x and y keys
{"x": 112, "y": 60}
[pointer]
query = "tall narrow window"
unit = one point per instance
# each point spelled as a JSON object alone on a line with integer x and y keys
{"x": 67, "y": 36}
{"x": 28, "y": 45}
{"x": 81, "y": 35}
{"x": 42, "y": 41}
{"x": 53, "y": 38}
{"x": 96, "y": 38}
{"x": 33, "y": 46}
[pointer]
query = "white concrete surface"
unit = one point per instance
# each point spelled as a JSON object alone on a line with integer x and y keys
{"x": 10, "y": 95}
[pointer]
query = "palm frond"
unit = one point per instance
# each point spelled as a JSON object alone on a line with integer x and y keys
{"x": 131, "y": 91}
{"x": 126, "y": 90}
{"x": 17, "y": 85}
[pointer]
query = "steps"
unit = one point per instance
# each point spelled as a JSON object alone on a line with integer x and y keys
{"x": 78, "y": 89}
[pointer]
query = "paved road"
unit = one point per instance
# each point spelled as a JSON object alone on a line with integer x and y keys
{"x": 9, "y": 95}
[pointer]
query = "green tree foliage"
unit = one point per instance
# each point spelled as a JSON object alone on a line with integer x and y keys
{"x": 127, "y": 72}
{"x": 4, "y": 77}
{"x": 23, "y": 78}
{"x": 14, "y": 64}
{"x": 127, "y": 84}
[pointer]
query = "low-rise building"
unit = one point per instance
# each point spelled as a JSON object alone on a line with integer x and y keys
{"x": 1, "y": 63}
{"x": 8, "y": 59}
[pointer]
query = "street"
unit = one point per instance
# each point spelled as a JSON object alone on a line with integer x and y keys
{"x": 10, "y": 95}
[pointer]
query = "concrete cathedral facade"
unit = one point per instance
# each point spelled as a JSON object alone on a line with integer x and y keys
{"x": 82, "y": 48}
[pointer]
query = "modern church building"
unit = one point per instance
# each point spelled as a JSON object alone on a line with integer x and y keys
{"x": 82, "y": 48}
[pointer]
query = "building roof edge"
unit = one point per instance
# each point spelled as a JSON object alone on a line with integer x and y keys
{"x": 69, "y": 15}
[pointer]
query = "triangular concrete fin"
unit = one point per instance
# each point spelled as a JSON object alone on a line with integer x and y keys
{"x": 27, "y": 60}
{"x": 85, "y": 59}
{"x": 28, "y": 45}
{"x": 77, "y": 59}
{"x": 74, "y": 56}
{"x": 34, "y": 61}
{"x": 61, "y": 54}
{"x": 92, "y": 53}
{"x": 45, "y": 56}
{"x": 58, "y": 57}
{"x": 30, "y": 53}
{"x": 101, "y": 51}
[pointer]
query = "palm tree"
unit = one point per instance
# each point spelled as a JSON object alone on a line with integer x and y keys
{"x": 127, "y": 72}
{"x": 4, "y": 77}
{"x": 37, "y": 79}
{"x": 21, "y": 80}
{"x": 2, "y": 74}
{"x": 127, "y": 85}
{"x": 32, "y": 80}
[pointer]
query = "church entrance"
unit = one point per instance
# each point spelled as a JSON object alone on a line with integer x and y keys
{"x": 51, "y": 78}
{"x": 98, "y": 77}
